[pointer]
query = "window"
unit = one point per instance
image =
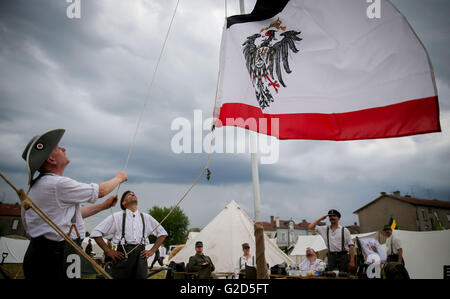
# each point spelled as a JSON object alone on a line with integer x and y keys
{"x": 448, "y": 217}
{"x": 424, "y": 215}
{"x": 283, "y": 237}
{"x": 15, "y": 224}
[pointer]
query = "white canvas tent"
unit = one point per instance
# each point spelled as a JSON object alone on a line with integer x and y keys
{"x": 425, "y": 253}
{"x": 15, "y": 248}
{"x": 315, "y": 242}
{"x": 192, "y": 235}
{"x": 222, "y": 241}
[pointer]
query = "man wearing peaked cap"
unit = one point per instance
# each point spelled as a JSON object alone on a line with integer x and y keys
{"x": 200, "y": 263}
{"x": 339, "y": 242}
{"x": 60, "y": 198}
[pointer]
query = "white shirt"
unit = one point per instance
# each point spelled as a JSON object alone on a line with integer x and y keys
{"x": 244, "y": 261}
{"x": 162, "y": 251}
{"x": 335, "y": 237}
{"x": 133, "y": 227}
{"x": 60, "y": 198}
{"x": 317, "y": 265}
{"x": 393, "y": 244}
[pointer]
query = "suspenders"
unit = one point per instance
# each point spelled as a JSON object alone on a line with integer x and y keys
{"x": 124, "y": 216}
{"x": 342, "y": 239}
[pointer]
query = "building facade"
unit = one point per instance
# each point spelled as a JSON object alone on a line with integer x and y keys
{"x": 285, "y": 232}
{"x": 409, "y": 213}
{"x": 11, "y": 220}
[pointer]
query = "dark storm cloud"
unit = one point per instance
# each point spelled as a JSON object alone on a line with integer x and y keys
{"x": 91, "y": 76}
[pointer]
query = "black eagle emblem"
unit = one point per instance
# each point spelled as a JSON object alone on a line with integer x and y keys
{"x": 269, "y": 55}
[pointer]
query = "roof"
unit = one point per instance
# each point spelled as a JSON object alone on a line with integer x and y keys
{"x": 267, "y": 225}
{"x": 354, "y": 229}
{"x": 285, "y": 225}
{"x": 10, "y": 209}
{"x": 411, "y": 200}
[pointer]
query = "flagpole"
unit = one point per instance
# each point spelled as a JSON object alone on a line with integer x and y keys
{"x": 255, "y": 176}
{"x": 254, "y": 157}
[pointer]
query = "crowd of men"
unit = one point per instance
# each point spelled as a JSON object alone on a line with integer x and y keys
{"x": 61, "y": 197}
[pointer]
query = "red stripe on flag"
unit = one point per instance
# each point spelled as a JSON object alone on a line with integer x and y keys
{"x": 402, "y": 119}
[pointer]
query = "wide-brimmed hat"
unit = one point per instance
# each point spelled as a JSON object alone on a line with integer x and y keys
{"x": 39, "y": 148}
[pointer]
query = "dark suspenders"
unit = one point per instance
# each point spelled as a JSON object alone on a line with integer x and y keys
{"x": 124, "y": 216}
{"x": 342, "y": 239}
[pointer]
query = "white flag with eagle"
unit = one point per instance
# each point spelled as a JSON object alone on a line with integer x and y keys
{"x": 325, "y": 70}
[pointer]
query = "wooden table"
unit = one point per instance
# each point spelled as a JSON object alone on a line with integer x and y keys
{"x": 189, "y": 275}
{"x": 213, "y": 275}
{"x": 222, "y": 274}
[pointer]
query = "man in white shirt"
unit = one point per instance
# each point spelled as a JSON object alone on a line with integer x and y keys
{"x": 160, "y": 254}
{"x": 60, "y": 198}
{"x": 339, "y": 242}
{"x": 245, "y": 260}
{"x": 130, "y": 259}
{"x": 312, "y": 262}
{"x": 393, "y": 245}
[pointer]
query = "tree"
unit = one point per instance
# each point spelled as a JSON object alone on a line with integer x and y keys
{"x": 176, "y": 224}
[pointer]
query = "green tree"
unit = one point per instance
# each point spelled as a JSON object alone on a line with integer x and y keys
{"x": 176, "y": 224}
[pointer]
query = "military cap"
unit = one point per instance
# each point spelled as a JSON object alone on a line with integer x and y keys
{"x": 334, "y": 213}
{"x": 199, "y": 244}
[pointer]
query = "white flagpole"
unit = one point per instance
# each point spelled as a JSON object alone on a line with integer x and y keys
{"x": 255, "y": 176}
{"x": 254, "y": 157}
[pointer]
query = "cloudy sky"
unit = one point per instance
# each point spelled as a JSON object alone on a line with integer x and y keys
{"x": 91, "y": 76}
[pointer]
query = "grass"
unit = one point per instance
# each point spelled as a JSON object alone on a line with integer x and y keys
{"x": 15, "y": 271}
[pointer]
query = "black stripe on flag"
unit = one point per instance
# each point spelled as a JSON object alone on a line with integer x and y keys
{"x": 264, "y": 9}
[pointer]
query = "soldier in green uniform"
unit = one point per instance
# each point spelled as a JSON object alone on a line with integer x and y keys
{"x": 200, "y": 263}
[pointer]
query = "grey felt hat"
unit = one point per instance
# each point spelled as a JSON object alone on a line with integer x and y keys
{"x": 39, "y": 148}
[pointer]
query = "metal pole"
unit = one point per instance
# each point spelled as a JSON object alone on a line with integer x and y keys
{"x": 254, "y": 157}
{"x": 255, "y": 176}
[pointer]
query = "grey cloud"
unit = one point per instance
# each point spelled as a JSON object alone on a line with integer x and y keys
{"x": 91, "y": 76}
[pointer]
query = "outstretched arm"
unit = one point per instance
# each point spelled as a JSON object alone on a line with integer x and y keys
{"x": 108, "y": 186}
{"x": 94, "y": 209}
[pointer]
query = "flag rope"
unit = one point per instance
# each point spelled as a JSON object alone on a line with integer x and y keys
{"x": 133, "y": 142}
{"x": 206, "y": 168}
